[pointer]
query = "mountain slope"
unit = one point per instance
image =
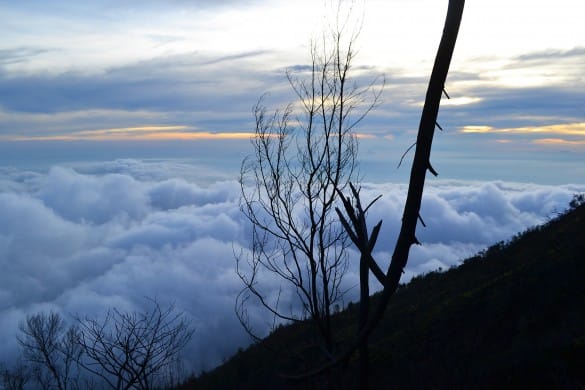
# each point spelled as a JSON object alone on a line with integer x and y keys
{"x": 513, "y": 316}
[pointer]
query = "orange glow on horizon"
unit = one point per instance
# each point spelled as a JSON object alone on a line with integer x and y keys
{"x": 561, "y": 129}
{"x": 196, "y": 136}
{"x": 477, "y": 129}
{"x": 142, "y": 133}
{"x": 146, "y": 133}
{"x": 558, "y": 141}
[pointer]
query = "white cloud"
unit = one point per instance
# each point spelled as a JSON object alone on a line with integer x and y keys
{"x": 97, "y": 200}
{"x": 463, "y": 217}
{"x": 83, "y": 242}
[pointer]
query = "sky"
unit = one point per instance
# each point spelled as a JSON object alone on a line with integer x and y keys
{"x": 192, "y": 71}
{"x": 123, "y": 126}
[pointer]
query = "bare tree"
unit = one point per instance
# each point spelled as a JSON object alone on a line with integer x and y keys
{"x": 129, "y": 350}
{"x": 52, "y": 350}
{"x": 14, "y": 378}
{"x": 303, "y": 155}
{"x": 354, "y": 220}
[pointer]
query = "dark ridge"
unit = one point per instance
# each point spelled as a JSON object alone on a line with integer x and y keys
{"x": 512, "y": 316}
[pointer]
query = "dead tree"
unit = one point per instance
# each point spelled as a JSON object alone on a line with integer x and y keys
{"x": 421, "y": 163}
{"x": 51, "y": 349}
{"x": 354, "y": 217}
{"x": 354, "y": 222}
{"x": 14, "y": 378}
{"x": 129, "y": 350}
{"x": 303, "y": 155}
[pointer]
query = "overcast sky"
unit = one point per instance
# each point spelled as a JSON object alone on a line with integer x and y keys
{"x": 193, "y": 70}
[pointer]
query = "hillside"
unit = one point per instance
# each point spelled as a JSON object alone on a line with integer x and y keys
{"x": 512, "y": 316}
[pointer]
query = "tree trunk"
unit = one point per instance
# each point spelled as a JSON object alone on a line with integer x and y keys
{"x": 421, "y": 164}
{"x": 362, "y": 320}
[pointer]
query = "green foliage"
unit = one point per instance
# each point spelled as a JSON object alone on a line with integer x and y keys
{"x": 510, "y": 317}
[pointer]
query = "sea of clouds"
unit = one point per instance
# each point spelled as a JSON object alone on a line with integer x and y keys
{"x": 81, "y": 240}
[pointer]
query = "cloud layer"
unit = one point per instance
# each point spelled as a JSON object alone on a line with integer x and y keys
{"x": 83, "y": 240}
{"x": 201, "y": 67}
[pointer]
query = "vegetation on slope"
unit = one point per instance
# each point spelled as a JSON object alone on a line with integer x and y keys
{"x": 512, "y": 316}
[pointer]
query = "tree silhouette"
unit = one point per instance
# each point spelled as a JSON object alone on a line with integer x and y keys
{"x": 128, "y": 350}
{"x": 354, "y": 220}
{"x": 303, "y": 156}
{"x": 51, "y": 349}
{"x": 16, "y": 377}
{"x": 121, "y": 351}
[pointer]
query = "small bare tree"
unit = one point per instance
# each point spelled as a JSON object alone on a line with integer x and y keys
{"x": 129, "y": 350}
{"x": 51, "y": 349}
{"x": 14, "y": 378}
{"x": 124, "y": 350}
{"x": 303, "y": 155}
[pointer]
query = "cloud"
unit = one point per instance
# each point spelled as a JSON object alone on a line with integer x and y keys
{"x": 184, "y": 97}
{"x": 520, "y": 107}
{"x": 476, "y": 213}
{"x": 476, "y": 129}
{"x": 553, "y": 54}
{"x": 461, "y": 101}
{"x": 188, "y": 82}
{"x": 561, "y": 129}
{"x": 541, "y": 68}
{"x": 143, "y": 133}
{"x": 19, "y": 54}
{"x": 111, "y": 234}
{"x": 83, "y": 242}
{"x": 187, "y": 100}
{"x": 86, "y": 199}
{"x": 569, "y": 135}
{"x": 558, "y": 142}
{"x": 185, "y": 69}
{"x": 80, "y": 243}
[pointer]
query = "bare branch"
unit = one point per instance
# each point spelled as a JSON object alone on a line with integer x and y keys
{"x": 127, "y": 350}
{"x": 420, "y": 166}
{"x": 51, "y": 348}
{"x": 290, "y": 188}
